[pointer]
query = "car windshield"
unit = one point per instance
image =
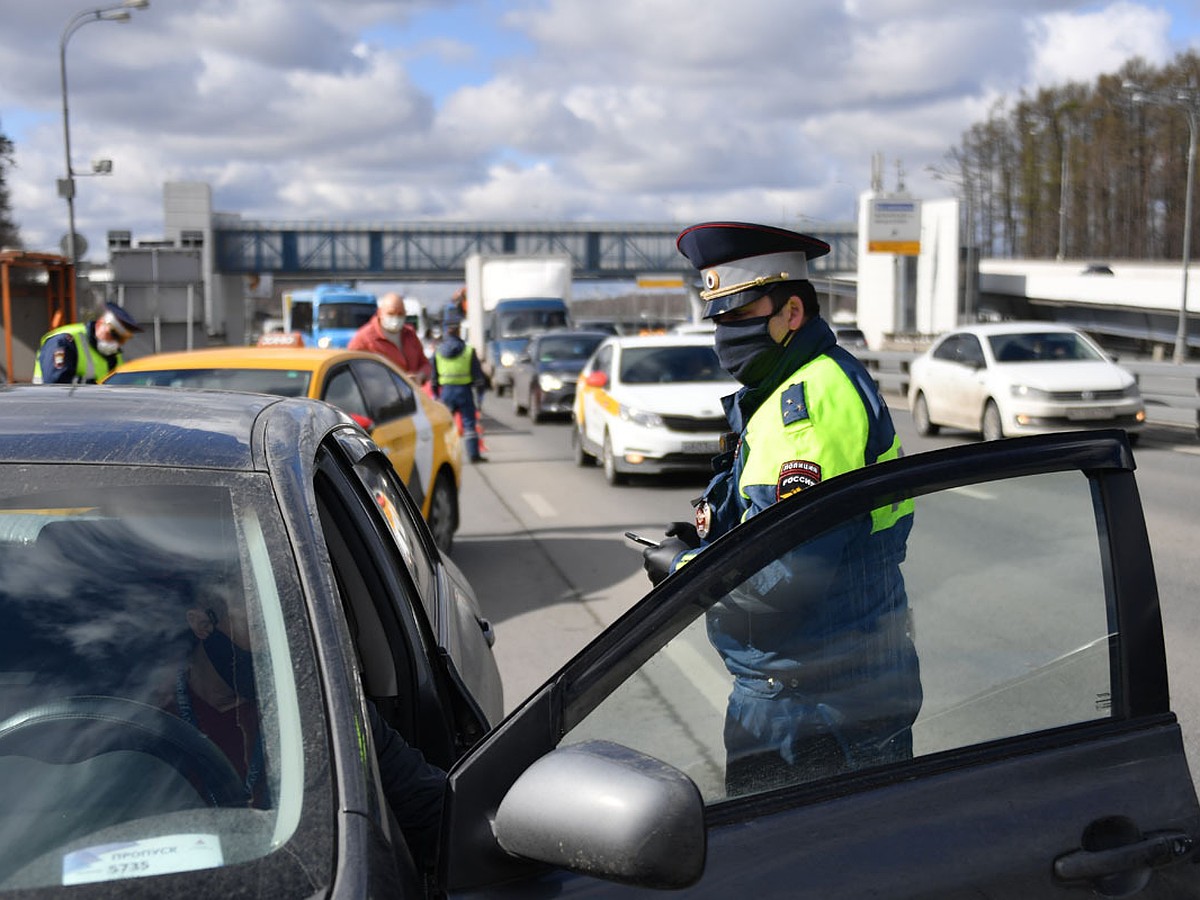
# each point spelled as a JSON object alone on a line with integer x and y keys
{"x": 561, "y": 348}
{"x": 280, "y": 382}
{"x": 149, "y": 714}
{"x": 671, "y": 364}
{"x": 345, "y": 315}
{"x": 524, "y": 322}
{"x": 1042, "y": 346}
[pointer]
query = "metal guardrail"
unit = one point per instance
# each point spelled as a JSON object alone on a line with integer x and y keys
{"x": 1171, "y": 392}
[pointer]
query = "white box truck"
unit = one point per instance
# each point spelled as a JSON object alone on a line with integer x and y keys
{"x": 510, "y": 298}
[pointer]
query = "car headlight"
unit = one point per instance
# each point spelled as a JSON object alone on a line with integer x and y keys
{"x": 1030, "y": 393}
{"x": 640, "y": 417}
{"x": 325, "y": 343}
{"x": 1132, "y": 391}
{"x": 550, "y": 382}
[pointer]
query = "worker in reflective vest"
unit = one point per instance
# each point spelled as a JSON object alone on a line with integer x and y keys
{"x": 457, "y": 374}
{"x": 84, "y": 352}
{"x": 825, "y": 674}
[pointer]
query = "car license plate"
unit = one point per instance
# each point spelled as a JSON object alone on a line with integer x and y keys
{"x": 1086, "y": 414}
{"x": 712, "y": 447}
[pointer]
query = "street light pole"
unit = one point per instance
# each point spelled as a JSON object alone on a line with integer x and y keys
{"x": 1181, "y": 327}
{"x": 1188, "y": 100}
{"x": 66, "y": 186}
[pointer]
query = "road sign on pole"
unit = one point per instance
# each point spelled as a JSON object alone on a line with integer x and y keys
{"x": 894, "y": 226}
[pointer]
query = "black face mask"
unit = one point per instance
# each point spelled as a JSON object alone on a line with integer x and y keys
{"x": 232, "y": 663}
{"x": 746, "y": 349}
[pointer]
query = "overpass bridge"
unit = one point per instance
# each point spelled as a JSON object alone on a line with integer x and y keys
{"x": 436, "y": 251}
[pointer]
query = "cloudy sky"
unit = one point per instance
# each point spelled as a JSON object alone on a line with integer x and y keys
{"x": 582, "y": 110}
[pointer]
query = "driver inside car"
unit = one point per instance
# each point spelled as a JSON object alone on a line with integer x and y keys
{"x": 215, "y": 692}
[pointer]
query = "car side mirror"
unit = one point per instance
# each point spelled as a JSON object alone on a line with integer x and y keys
{"x": 604, "y": 810}
{"x": 596, "y": 379}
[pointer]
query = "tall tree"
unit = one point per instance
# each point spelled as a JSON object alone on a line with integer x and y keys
{"x": 1083, "y": 172}
{"x": 9, "y": 234}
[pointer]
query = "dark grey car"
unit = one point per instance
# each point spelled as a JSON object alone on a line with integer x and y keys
{"x": 544, "y": 376}
{"x": 1046, "y": 759}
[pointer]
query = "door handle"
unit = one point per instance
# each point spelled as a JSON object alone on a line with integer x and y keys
{"x": 1152, "y": 851}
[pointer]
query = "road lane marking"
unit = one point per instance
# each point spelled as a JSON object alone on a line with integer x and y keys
{"x": 976, "y": 493}
{"x": 540, "y": 505}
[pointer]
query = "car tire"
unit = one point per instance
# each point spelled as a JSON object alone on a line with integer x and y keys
{"x": 443, "y": 512}
{"x": 535, "y": 405}
{"x": 583, "y": 459}
{"x": 992, "y": 427}
{"x": 518, "y": 407}
{"x": 611, "y": 475}
{"x": 920, "y": 414}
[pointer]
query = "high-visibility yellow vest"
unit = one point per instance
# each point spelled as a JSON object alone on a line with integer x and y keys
{"x": 90, "y": 365}
{"x": 454, "y": 369}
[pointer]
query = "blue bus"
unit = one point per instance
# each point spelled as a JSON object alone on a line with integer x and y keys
{"x": 328, "y": 315}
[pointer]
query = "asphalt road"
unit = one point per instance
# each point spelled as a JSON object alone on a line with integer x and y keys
{"x": 542, "y": 542}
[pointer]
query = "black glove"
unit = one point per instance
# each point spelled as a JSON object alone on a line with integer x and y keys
{"x": 657, "y": 560}
{"x": 686, "y": 532}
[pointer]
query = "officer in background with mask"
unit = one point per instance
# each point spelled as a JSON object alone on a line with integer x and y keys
{"x": 389, "y": 334}
{"x": 458, "y": 378}
{"x": 826, "y": 677}
{"x": 84, "y": 352}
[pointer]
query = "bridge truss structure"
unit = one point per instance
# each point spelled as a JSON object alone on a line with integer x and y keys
{"x": 436, "y": 251}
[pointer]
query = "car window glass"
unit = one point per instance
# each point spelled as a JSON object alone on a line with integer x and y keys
{"x": 343, "y": 392}
{"x": 147, "y": 689}
{"x": 564, "y": 347}
{"x": 1008, "y": 617}
{"x": 1052, "y": 346}
{"x": 408, "y": 397}
{"x": 604, "y": 361}
{"x": 282, "y": 382}
{"x": 671, "y": 364}
{"x": 345, "y": 315}
{"x": 970, "y": 351}
{"x": 378, "y": 478}
{"x": 947, "y": 349}
{"x": 381, "y": 391}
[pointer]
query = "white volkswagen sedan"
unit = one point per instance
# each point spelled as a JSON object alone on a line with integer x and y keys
{"x": 649, "y": 405}
{"x": 1008, "y": 378}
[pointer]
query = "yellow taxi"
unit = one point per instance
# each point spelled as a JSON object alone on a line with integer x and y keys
{"x": 415, "y": 431}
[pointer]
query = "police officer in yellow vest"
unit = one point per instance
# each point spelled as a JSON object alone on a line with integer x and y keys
{"x": 827, "y": 683}
{"x": 84, "y": 352}
{"x": 457, "y": 374}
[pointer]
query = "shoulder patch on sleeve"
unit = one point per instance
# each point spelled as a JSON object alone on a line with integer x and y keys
{"x": 795, "y": 476}
{"x": 793, "y": 406}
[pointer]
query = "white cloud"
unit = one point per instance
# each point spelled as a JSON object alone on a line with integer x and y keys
{"x": 626, "y": 109}
{"x": 1081, "y": 46}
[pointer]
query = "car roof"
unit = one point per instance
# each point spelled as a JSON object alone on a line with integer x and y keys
{"x": 157, "y": 426}
{"x": 573, "y": 332}
{"x": 984, "y": 329}
{"x": 663, "y": 340}
{"x": 311, "y": 358}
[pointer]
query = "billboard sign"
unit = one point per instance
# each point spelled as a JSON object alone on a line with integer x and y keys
{"x": 894, "y": 226}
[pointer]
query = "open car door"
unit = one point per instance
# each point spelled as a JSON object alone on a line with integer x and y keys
{"x": 1046, "y": 760}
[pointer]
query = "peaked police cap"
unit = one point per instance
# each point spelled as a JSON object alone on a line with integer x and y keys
{"x": 122, "y": 320}
{"x": 739, "y": 261}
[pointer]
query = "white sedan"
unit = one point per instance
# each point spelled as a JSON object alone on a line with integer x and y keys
{"x": 1008, "y": 378}
{"x": 649, "y": 405}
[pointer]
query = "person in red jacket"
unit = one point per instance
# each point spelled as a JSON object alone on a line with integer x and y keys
{"x": 388, "y": 334}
